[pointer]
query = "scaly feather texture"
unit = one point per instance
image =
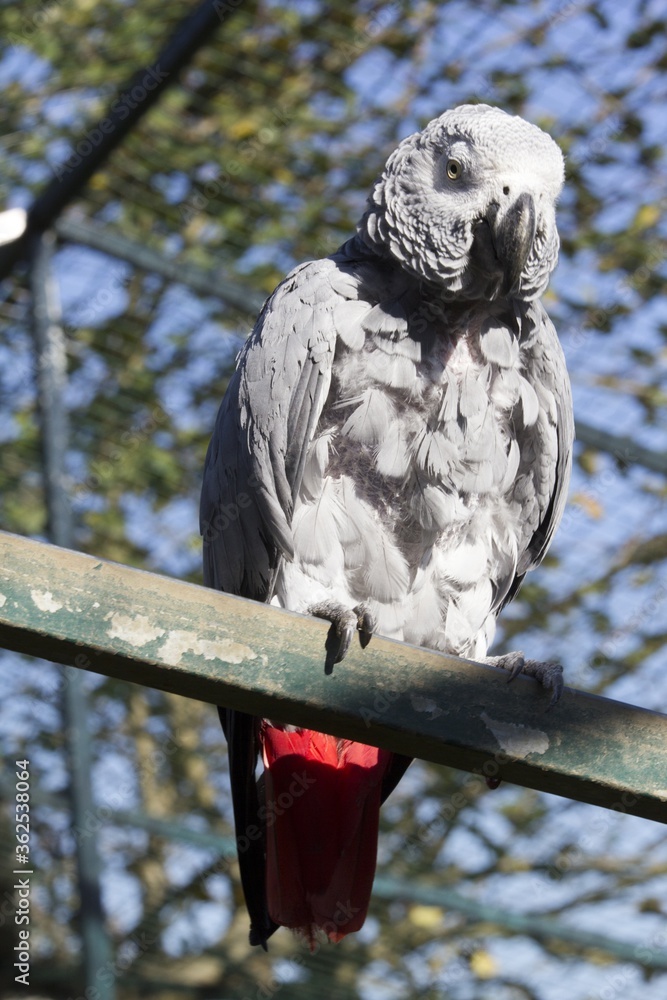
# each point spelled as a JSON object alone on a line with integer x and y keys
{"x": 397, "y": 434}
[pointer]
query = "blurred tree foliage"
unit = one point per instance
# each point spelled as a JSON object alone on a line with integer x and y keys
{"x": 258, "y": 157}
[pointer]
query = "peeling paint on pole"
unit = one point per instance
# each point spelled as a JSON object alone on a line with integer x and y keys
{"x": 160, "y": 632}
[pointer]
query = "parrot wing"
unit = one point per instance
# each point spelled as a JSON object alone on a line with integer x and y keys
{"x": 263, "y": 429}
{"x": 548, "y": 480}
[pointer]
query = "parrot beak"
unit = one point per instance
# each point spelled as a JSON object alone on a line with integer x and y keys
{"x": 513, "y": 233}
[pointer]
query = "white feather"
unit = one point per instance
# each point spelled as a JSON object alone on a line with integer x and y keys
{"x": 386, "y": 575}
{"x": 367, "y": 422}
{"x": 473, "y": 394}
{"x": 529, "y": 403}
{"x": 395, "y": 371}
{"x": 344, "y": 283}
{"x": 434, "y": 452}
{"x": 547, "y": 402}
{"x": 446, "y": 508}
{"x": 315, "y": 526}
{"x": 506, "y": 389}
{"x": 457, "y": 629}
{"x": 449, "y": 403}
{"x": 390, "y": 618}
{"x": 404, "y": 346}
{"x": 475, "y": 602}
{"x": 512, "y": 467}
{"x": 347, "y": 318}
{"x": 467, "y": 563}
{"x": 386, "y": 318}
{"x": 392, "y": 458}
{"x": 316, "y": 463}
{"x": 359, "y": 524}
{"x": 498, "y": 344}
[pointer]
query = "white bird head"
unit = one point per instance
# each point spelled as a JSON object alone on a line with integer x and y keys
{"x": 469, "y": 203}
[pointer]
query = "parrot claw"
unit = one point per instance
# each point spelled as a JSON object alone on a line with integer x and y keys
{"x": 344, "y": 623}
{"x": 549, "y": 674}
{"x": 366, "y": 624}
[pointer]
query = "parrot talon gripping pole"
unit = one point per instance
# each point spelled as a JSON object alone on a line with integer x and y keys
{"x": 344, "y": 623}
{"x": 397, "y": 441}
{"x": 547, "y": 673}
{"x": 366, "y": 623}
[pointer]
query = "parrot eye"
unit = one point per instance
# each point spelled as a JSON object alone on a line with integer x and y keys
{"x": 454, "y": 169}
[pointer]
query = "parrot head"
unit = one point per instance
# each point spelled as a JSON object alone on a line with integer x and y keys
{"x": 469, "y": 203}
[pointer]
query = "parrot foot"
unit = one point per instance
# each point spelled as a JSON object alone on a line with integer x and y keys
{"x": 549, "y": 674}
{"x": 344, "y": 623}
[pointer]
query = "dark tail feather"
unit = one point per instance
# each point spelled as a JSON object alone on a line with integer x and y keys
{"x": 397, "y": 768}
{"x": 241, "y": 732}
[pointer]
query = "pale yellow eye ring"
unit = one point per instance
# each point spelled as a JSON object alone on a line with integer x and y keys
{"x": 454, "y": 169}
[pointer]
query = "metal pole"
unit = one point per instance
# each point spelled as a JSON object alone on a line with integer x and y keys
{"x": 226, "y": 650}
{"x": 624, "y": 449}
{"x": 211, "y": 283}
{"x": 51, "y": 370}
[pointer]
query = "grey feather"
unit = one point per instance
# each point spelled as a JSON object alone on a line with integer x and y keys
{"x": 386, "y": 318}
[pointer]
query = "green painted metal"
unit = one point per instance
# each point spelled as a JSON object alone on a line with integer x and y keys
{"x": 137, "y": 626}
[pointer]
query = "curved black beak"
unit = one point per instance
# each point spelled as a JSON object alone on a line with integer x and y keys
{"x": 513, "y": 234}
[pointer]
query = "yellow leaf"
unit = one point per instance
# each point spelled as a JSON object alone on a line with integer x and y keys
{"x": 426, "y": 917}
{"x": 589, "y": 504}
{"x": 284, "y": 176}
{"x": 242, "y": 128}
{"x": 646, "y": 217}
{"x": 483, "y": 965}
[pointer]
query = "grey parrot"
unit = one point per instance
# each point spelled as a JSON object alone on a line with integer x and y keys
{"x": 392, "y": 454}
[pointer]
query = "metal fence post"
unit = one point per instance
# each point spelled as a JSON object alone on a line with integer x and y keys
{"x": 51, "y": 379}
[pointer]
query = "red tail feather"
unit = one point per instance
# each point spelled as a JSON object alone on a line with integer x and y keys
{"x": 322, "y": 813}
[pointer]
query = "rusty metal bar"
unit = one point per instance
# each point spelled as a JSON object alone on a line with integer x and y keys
{"x": 152, "y": 630}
